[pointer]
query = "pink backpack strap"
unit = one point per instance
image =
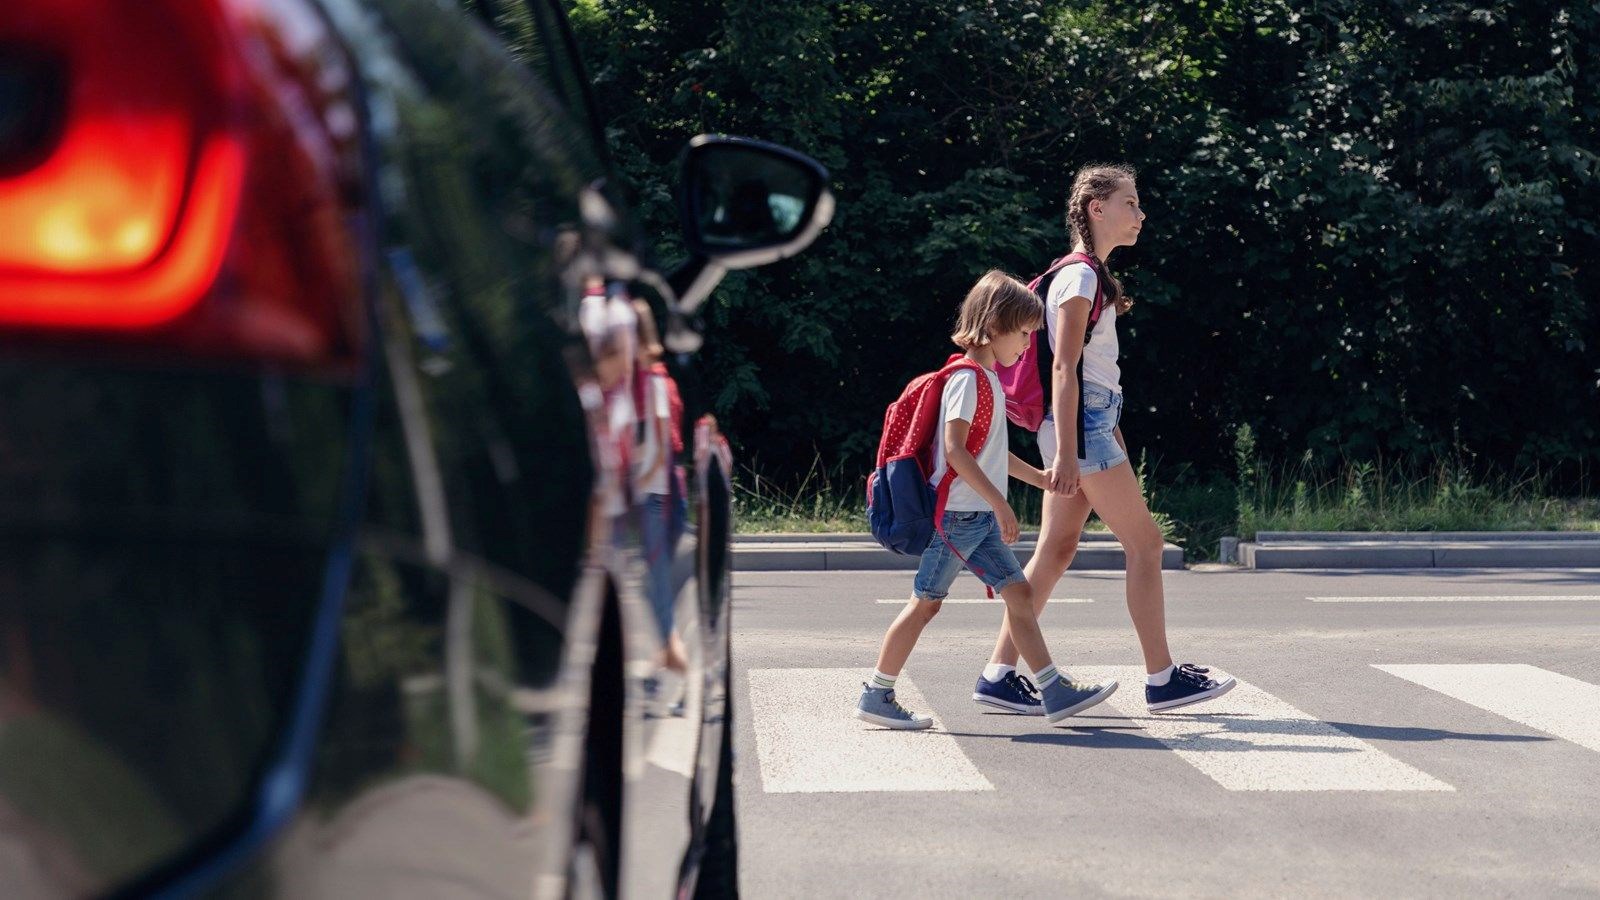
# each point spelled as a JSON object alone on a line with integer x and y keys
{"x": 977, "y": 436}
{"x": 1099, "y": 286}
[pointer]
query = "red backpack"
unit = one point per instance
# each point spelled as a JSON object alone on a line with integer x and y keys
{"x": 641, "y": 392}
{"x": 1027, "y": 383}
{"x": 903, "y": 511}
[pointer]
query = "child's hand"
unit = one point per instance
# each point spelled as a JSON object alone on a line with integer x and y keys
{"x": 1009, "y": 531}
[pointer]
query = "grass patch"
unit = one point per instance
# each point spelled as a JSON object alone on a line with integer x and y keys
{"x": 1372, "y": 496}
{"x": 1366, "y": 497}
{"x": 820, "y": 502}
{"x": 825, "y": 502}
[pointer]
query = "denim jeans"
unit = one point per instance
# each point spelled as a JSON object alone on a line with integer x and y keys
{"x": 977, "y": 536}
{"x": 1102, "y": 410}
{"x": 659, "y": 532}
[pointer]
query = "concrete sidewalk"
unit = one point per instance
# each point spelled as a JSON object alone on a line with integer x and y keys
{"x": 1420, "y": 550}
{"x": 859, "y": 552}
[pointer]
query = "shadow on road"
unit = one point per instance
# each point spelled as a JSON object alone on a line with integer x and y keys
{"x": 1131, "y": 737}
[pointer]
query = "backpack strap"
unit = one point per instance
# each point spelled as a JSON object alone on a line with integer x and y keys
{"x": 1046, "y": 354}
{"x": 1099, "y": 305}
{"x": 977, "y": 436}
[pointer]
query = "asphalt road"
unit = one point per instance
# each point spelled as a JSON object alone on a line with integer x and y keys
{"x": 1440, "y": 747}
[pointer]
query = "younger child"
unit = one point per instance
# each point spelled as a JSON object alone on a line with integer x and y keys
{"x": 657, "y": 483}
{"x": 996, "y": 320}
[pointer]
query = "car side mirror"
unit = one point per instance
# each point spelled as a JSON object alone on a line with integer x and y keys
{"x": 745, "y": 203}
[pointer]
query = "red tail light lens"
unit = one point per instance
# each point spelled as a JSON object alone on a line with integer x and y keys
{"x": 179, "y": 173}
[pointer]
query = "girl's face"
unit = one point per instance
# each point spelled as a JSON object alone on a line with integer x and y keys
{"x": 1009, "y": 347}
{"x": 1119, "y": 216}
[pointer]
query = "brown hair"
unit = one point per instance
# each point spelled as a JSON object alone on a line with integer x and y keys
{"x": 997, "y": 304}
{"x": 1092, "y": 183}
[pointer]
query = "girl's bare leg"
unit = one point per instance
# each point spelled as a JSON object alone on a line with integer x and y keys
{"x": 901, "y": 638}
{"x": 1064, "y": 518}
{"x": 1116, "y": 497}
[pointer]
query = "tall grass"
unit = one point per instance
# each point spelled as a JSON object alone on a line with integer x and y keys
{"x": 1374, "y": 496}
{"x": 821, "y": 501}
{"x": 826, "y": 501}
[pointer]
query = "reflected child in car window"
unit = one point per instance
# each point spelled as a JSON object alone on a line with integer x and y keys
{"x": 658, "y": 481}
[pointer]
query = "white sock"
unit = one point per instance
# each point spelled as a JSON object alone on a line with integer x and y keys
{"x": 994, "y": 672}
{"x": 1046, "y": 676}
{"x": 880, "y": 680}
{"x": 1159, "y": 679}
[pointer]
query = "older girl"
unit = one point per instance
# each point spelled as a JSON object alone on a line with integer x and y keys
{"x": 1103, "y": 214}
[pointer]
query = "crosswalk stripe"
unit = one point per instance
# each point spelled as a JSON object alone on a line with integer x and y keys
{"x": 902, "y": 600}
{"x": 1545, "y": 701}
{"x": 672, "y": 745}
{"x": 1249, "y": 740}
{"x": 808, "y": 741}
{"x": 1463, "y": 598}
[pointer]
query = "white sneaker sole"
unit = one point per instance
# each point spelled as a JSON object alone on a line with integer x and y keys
{"x": 1094, "y": 699}
{"x": 1035, "y": 709}
{"x": 896, "y": 724}
{"x": 1192, "y": 699}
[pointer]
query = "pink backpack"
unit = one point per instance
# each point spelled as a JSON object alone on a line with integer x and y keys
{"x": 1027, "y": 384}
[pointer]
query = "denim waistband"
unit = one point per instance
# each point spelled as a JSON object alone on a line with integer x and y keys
{"x": 1088, "y": 386}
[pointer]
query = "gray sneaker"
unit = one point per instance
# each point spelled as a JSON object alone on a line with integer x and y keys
{"x": 879, "y": 707}
{"x": 1066, "y": 698}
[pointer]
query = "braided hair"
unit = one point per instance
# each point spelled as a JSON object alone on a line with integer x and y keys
{"x": 1092, "y": 183}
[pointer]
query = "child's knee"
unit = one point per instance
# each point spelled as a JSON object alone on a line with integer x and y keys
{"x": 926, "y": 609}
{"x": 1019, "y": 593}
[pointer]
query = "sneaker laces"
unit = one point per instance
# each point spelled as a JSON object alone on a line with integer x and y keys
{"x": 1022, "y": 684}
{"x": 1197, "y": 675}
{"x": 889, "y": 699}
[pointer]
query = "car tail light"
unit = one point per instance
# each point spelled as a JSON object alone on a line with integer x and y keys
{"x": 179, "y": 174}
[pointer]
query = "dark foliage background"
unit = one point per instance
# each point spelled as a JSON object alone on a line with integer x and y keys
{"x": 1371, "y": 235}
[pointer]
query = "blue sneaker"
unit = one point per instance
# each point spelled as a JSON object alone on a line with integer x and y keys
{"x": 1189, "y": 684}
{"x": 1013, "y": 694}
{"x": 1065, "y": 698}
{"x": 879, "y": 707}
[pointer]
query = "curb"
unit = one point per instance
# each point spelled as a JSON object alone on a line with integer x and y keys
{"x": 1420, "y": 550}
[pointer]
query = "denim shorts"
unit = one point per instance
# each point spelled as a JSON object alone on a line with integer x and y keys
{"x": 1102, "y": 410}
{"x": 977, "y": 536}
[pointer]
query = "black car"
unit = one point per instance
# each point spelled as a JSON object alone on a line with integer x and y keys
{"x": 308, "y": 582}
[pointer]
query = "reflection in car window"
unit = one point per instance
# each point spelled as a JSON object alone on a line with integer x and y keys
{"x": 537, "y": 36}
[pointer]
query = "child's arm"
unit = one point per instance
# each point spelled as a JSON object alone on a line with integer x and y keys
{"x": 965, "y": 466}
{"x": 663, "y": 448}
{"x": 659, "y": 421}
{"x": 1018, "y": 468}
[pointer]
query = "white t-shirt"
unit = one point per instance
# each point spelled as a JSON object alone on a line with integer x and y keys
{"x": 619, "y": 419}
{"x": 1100, "y": 354}
{"x": 961, "y": 402}
{"x": 646, "y": 453}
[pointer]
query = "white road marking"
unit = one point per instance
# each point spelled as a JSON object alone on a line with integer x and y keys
{"x": 809, "y": 740}
{"x": 1488, "y": 598}
{"x": 1545, "y": 701}
{"x": 672, "y": 745}
{"x": 901, "y": 601}
{"x": 1249, "y": 740}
